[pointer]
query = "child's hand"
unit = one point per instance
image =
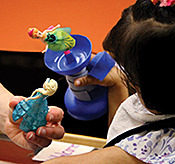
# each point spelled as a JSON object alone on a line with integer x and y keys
{"x": 117, "y": 90}
{"x": 112, "y": 78}
{"x": 43, "y": 135}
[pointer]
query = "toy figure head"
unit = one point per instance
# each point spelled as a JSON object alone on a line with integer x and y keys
{"x": 34, "y": 33}
{"x": 50, "y": 87}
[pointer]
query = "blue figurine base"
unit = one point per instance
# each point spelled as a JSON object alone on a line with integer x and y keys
{"x": 33, "y": 112}
{"x": 87, "y": 110}
{"x": 79, "y": 57}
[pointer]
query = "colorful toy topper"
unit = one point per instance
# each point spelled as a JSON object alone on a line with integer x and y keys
{"x": 34, "y": 108}
{"x": 56, "y": 38}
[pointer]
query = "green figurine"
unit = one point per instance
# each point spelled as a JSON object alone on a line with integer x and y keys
{"x": 56, "y": 38}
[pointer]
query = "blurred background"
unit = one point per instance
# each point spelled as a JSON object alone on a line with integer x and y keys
{"x": 21, "y": 62}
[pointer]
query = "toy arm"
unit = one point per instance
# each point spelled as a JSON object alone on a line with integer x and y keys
{"x": 32, "y": 98}
{"x": 58, "y": 26}
{"x": 45, "y": 49}
{"x": 34, "y": 92}
{"x": 54, "y": 28}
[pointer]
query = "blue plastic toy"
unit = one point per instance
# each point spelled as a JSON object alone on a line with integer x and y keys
{"x": 70, "y": 55}
{"x": 34, "y": 109}
{"x": 88, "y": 102}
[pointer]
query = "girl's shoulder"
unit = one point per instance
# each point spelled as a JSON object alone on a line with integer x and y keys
{"x": 151, "y": 147}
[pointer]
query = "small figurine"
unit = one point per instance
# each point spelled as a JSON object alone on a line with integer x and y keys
{"x": 34, "y": 108}
{"x": 56, "y": 38}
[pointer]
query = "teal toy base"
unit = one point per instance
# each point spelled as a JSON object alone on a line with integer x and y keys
{"x": 33, "y": 112}
{"x": 87, "y": 110}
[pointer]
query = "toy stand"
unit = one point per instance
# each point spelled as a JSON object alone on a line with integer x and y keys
{"x": 83, "y": 103}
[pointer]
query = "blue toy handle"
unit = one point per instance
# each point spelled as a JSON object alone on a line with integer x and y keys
{"x": 87, "y": 102}
{"x": 87, "y": 110}
{"x": 91, "y": 101}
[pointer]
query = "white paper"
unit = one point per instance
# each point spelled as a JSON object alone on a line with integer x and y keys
{"x": 60, "y": 149}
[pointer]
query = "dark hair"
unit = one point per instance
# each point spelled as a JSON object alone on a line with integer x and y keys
{"x": 143, "y": 42}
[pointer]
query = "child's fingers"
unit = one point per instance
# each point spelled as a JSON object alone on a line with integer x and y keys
{"x": 86, "y": 80}
{"x": 36, "y": 141}
{"x": 55, "y": 114}
{"x": 53, "y": 132}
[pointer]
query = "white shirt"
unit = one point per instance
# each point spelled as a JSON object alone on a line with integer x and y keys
{"x": 131, "y": 114}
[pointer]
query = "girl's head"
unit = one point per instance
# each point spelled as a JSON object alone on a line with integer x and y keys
{"x": 143, "y": 42}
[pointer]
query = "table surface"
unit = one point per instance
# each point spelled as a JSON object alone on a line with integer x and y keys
{"x": 10, "y": 152}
